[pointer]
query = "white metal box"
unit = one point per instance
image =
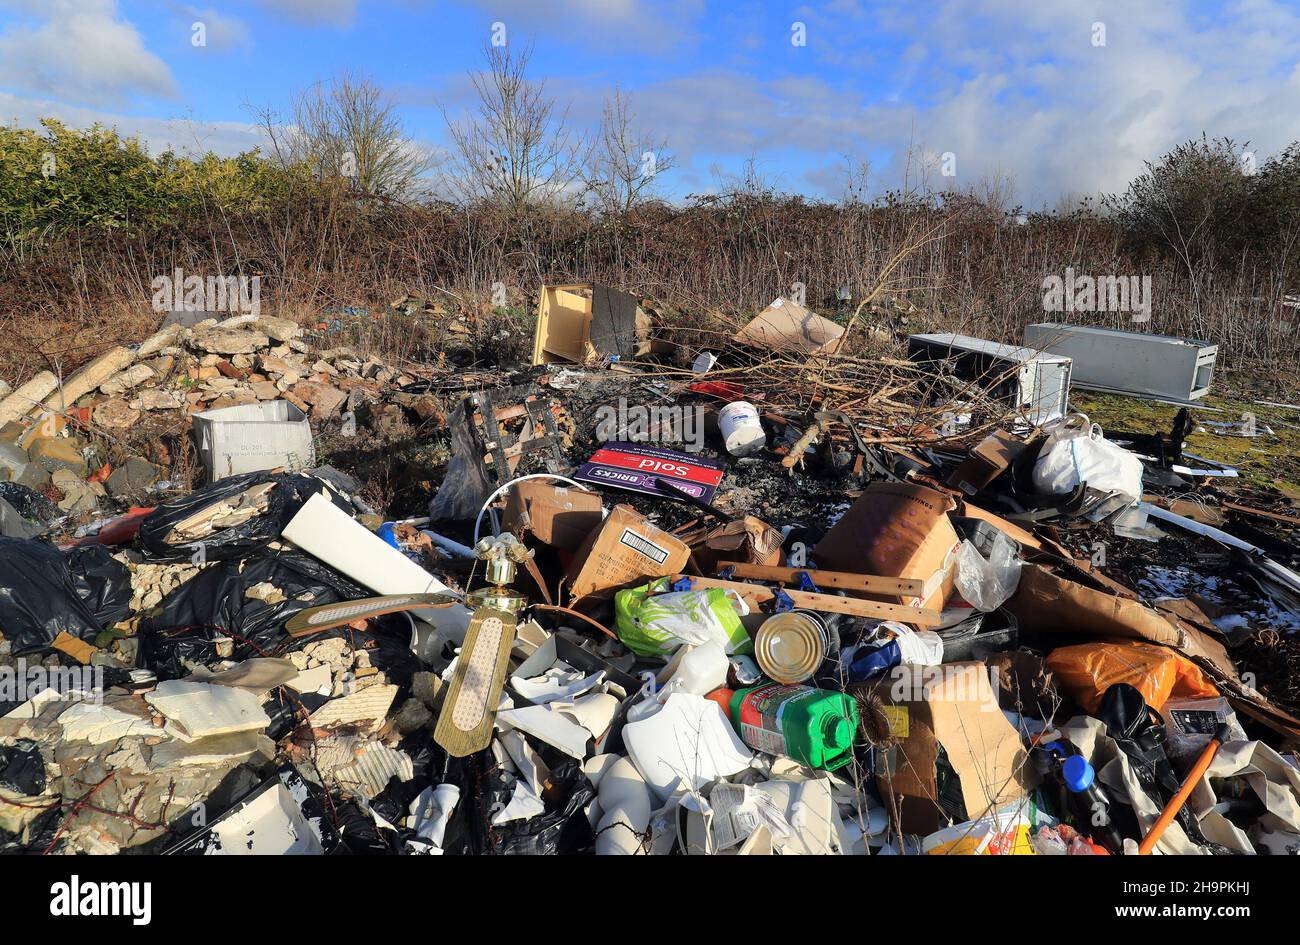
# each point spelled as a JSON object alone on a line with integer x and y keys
{"x": 1130, "y": 362}
{"x": 1031, "y": 382}
{"x": 251, "y": 437}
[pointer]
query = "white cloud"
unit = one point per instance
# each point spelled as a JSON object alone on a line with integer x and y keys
{"x": 221, "y": 33}
{"x": 79, "y": 51}
{"x": 182, "y": 135}
{"x": 1023, "y": 90}
{"x": 658, "y": 26}
{"x": 1013, "y": 88}
{"x": 327, "y": 12}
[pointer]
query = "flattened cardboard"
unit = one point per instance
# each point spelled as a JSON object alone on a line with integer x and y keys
{"x": 624, "y": 551}
{"x": 555, "y": 515}
{"x": 988, "y": 460}
{"x": 896, "y": 530}
{"x": 749, "y": 539}
{"x": 1046, "y": 603}
{"x": 955, "y": 707}
{"x": 788, "y": 327}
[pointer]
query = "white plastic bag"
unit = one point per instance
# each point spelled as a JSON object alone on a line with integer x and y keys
{"x": 1076, "y": 451}
{"x": 988, "y": 583}
{"x": 916, "y": 647}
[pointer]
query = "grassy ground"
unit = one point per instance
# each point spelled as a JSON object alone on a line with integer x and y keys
{"x": 1267, "y": 460}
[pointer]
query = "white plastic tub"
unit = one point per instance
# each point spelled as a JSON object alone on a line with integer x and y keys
{"x": 251, "y": 437}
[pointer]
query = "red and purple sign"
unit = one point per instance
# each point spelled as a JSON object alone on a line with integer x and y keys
{"x": 635, "y": 467}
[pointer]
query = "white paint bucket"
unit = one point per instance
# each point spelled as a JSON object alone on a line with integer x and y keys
{"x": 741, "y": 430}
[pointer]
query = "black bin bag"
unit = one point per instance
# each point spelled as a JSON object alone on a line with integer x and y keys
{"x": 103, "y": 582}
{"x": 291, "y": 491}
{"x": 42, "y": 590}
{"x": 214, "y": 603}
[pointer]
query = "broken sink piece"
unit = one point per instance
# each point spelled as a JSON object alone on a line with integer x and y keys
{"x": 198, "y": 710}
{"x": 685, "y": 745}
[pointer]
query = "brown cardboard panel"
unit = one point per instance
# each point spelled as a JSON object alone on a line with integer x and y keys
{"x": 1200, "y": 637}
{"x": 625, "y": 550}
{"x": 788, "y": 327}
{"x": 988, "y": 460}
{"x": 953, "y": 706}
{"x": 896, "y": 530}
{"x": 1048, "y": 603}
{"x": 555, "y": 515}
{"x": 749, "y": 539}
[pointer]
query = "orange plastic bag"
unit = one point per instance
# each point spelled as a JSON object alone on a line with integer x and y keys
{"x": 1086, "y": 671}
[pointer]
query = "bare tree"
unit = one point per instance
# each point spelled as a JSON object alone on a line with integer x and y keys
{"x": 348, "y": 129}
{"x": 996, "y": 191}
{"x": 516, "y": 149}
{"x": 625, "y": 161}
{"x": 855, "y": 177}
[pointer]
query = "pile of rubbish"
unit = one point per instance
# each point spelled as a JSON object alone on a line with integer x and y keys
{"x": 649, "y": 609}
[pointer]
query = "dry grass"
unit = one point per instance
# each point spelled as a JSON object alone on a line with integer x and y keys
{"x": 709, "y": 264}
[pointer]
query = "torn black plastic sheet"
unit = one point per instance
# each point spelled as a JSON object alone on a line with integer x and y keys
{"x": 103, "y": 582}
{"x": 291, "y": 492}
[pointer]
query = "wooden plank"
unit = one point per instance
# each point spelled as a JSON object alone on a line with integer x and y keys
{"x": 1274, "y": 516}
{"x": 828, "y": 603}
{"x": 841, "y": 579}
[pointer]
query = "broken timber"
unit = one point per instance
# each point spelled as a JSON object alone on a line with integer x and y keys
{"x": 828, "y": 603}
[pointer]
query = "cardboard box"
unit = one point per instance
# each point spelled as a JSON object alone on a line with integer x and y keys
{"x": 749, "y": 539}
{"x": 788, "y": 327}
{"x": 896, "y": 530}
{"x": 626, "y": 550}
{"x": 952, "y": 706}
{"x": 986, "y": 462}
{"x": 554, "y": 515}
{"x": 580, "y": 323}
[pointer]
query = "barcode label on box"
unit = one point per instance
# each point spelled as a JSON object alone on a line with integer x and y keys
{"x": 643, "y": 545}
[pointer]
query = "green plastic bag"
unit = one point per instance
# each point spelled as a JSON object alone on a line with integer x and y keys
{"x": 653, "y": 623}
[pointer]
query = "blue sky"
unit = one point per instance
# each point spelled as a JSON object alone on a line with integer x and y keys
{"x": 1017, "y": 92}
